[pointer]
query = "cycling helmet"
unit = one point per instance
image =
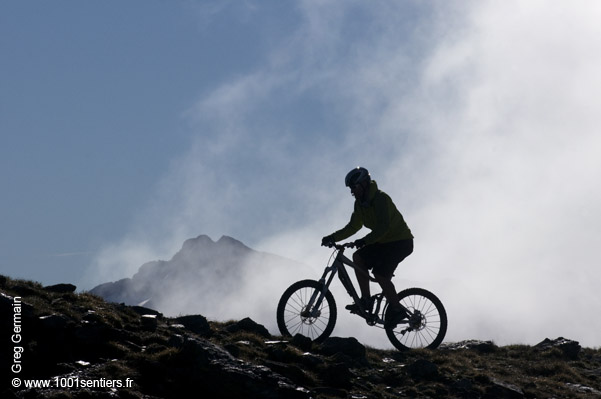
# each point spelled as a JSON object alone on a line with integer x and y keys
{"x": 356, "y": 176}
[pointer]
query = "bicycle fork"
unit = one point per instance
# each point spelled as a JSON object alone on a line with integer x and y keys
{"x": 312, "y": 310}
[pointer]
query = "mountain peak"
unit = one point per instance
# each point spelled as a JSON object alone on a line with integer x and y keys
{"x": 227, "y": 240}
{"x": 201, "y": 240}
{"x": 204, "y": 242}
{"x": 200, "y": 270}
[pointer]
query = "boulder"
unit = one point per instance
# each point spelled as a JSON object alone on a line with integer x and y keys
{"x": 570, "y": 349}
{"x": 249, "y": 325}
{"x": 301, "y": 342}
{"x": 196, "y": 323}
{"x": 347, "y": 346}
{"x": 61, "y": 288}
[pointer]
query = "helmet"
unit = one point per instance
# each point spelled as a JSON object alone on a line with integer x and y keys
{"x": 357, "y": 175}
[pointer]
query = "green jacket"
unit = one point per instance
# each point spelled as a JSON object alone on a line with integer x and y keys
{"x": 380, "y": 215}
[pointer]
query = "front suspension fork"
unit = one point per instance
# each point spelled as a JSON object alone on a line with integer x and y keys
{"x": 312, "y": 308}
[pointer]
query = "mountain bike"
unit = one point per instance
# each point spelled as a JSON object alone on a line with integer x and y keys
{"x": 308, "y": 308}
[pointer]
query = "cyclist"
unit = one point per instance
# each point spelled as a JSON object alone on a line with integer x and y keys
{"x": 389, "y": 242}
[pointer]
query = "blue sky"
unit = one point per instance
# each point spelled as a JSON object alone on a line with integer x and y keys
{"x": 94, "y": 98}
{"x": 98, "y": 103}
{"x": 127, "y": 127}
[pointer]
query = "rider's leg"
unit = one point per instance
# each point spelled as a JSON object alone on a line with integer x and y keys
{"x": 362, "y": 278}
{"x": 389, "y": 291}
{"x": 392, "y": 254}
{"x": 397, "y": 312}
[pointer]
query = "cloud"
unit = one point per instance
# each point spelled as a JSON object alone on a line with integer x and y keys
{"x": 480, "y": 119}
{"x": 516, "y": 202}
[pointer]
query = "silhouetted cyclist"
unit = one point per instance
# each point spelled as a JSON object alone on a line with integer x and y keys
{"x": 389, "y": 242}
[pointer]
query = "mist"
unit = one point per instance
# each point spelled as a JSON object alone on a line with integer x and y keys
{"x": 480, "y": 119}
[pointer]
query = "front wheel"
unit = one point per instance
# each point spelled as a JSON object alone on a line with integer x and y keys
{"x": 426, "y": 325}
{"x": 295, "y": 315}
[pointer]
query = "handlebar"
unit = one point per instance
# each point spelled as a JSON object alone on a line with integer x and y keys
{"x": 340, "y": 246}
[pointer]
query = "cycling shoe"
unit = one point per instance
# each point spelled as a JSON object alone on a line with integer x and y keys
{"x": 354, "y": 308}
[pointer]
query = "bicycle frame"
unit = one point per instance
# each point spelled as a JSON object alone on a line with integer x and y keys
{"x": 337, "y": 267}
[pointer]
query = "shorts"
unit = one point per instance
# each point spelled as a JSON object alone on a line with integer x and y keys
{"x": 384, "y": 258}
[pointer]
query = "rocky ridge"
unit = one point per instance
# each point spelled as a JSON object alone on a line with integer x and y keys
{"x": 199, "y": 272}
{"x": 89, "y": 348}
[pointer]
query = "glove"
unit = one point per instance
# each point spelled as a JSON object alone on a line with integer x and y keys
{"x": 327, "y": 241}
{"x": 359, "y": 243}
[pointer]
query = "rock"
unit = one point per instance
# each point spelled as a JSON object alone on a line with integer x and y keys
{"x": 249, "y": 325}
{"x": 503, "y": 390}
{"x": 92, "y": 317}
{"x": 61, "y": 288}
{"x": 196, "y": 323}
{"x": 52, "y": 322}
{"x": 331, "y": 392}
{"x": 347, "y": 346}
{"x": 141, "y": 310}
{"x": 463, "y": 385}
{"x": 291, "y": 371}
{"x": 337, "y": 375}
{"x": 233, "y": 349}
{"x": 176, "y": 341}
{"x": 9, "y": 304}
{"x": 583, "y": 389}
{"x": 570, "y": 349}
{"x": 311, "y": 360}
{"x": 149, "y": 322}
{"x": 422, "y": 369}
{"x": 480, "y": 346}
{"x": 216, "y": 373}
{"x": 301, "y": 342}
{"x": 90, "y": 335}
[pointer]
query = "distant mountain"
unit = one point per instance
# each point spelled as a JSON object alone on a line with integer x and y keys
{"x": 222, "y": 280}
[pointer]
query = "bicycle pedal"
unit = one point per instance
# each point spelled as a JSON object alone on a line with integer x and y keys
{"x": 353, "y": 308}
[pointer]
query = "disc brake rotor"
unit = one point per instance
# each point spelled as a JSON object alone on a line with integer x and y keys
{"x": 417, "y": 321}
{"x": 309, "y": 316}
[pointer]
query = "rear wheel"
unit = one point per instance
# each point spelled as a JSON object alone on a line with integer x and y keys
{"x": 427, "y": 325}
{"x": 295, "y": 317}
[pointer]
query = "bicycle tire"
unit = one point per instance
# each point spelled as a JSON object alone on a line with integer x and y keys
{"x": 293, "y": 302}
{"x": 429, "y": 326}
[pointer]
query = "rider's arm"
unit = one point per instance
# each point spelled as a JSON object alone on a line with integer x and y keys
{"x": 353, "y": 226}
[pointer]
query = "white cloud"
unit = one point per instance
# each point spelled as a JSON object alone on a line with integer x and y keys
{"x": 479, "y": 119}
{"x": 516, "y": 169}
